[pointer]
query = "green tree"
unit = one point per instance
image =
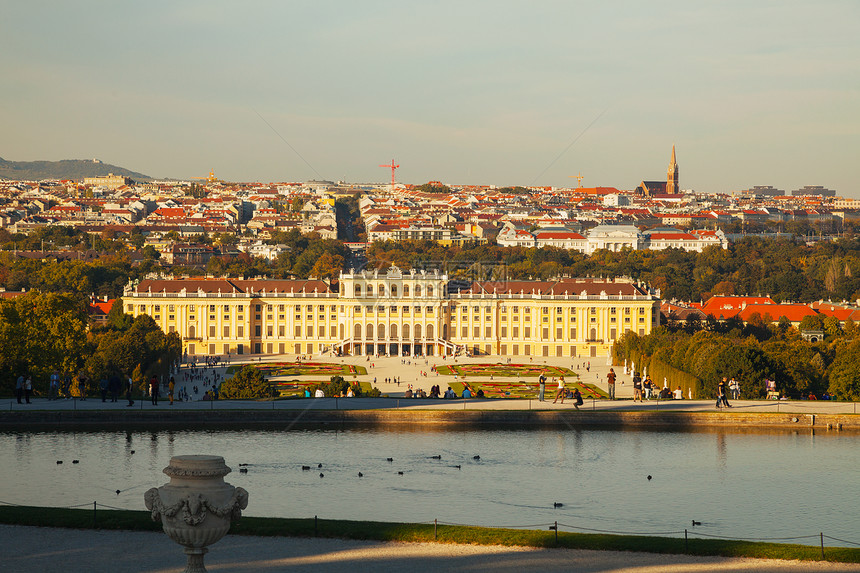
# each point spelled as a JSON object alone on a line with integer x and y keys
{"x": 832, "y": 328}
{"x": 845, "y": 372}
{"x": 336, "y": 386}
{"x": 39, "y": 333}
{"x": 247, "y": 384}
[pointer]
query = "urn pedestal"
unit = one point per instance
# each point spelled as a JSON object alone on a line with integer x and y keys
{"x": 197, "y": 506}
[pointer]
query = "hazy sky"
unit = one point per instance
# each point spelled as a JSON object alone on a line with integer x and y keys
{"x": 752, "y": 92}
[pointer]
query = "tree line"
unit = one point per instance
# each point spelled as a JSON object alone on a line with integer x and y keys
{"x": 783, "y": 269}
{"x": 42, "y": 333}
{"x": 753, "y": 353}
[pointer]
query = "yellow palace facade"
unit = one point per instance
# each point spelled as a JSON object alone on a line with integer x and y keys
{"x": 394, "y": 313}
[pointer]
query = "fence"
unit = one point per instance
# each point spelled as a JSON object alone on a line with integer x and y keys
{"x": 553, "y": 528}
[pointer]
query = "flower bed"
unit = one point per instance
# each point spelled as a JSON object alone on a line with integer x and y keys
{"x": 524, "y": 390}
{"x": 270, "y": 369}
{"x": 503, "y": 370}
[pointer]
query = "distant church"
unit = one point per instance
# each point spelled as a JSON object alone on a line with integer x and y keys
{"x": 668, "y": 187}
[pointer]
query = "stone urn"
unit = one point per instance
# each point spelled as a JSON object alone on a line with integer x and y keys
{"x": 197, "y": 506}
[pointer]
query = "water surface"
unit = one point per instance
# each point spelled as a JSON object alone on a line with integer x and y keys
{"x": 743, "y": 485}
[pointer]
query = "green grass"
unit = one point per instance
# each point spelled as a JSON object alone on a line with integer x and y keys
{"x": 385, "y": 531}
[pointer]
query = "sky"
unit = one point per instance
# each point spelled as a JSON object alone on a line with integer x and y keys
{"x": 500, "y": 92}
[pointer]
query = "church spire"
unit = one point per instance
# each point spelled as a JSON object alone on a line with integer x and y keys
{"x": 672, "y": 185}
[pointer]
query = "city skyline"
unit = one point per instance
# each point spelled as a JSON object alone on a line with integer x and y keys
{"x": 477, "y": 93}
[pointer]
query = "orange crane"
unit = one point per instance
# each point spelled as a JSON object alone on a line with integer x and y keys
{"x": 392, "y": 166}
{"x": 210, "y": 179}
{"x": 578, "y": 178}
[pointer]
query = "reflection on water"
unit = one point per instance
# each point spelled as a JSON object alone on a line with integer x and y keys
{"x": 743, "y": 485}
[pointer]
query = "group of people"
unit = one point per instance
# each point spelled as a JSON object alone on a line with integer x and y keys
{"x": 646, "y": 389}
{"x": 561, "y": 391}
{"x": 23, "y": 388}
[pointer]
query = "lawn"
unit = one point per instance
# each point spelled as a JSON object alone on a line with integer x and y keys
{"x": 270, "y": 369}
{"x": 128, "y": 520}
{"x": 524, "y": 390}
{"x": 503, "y": 370}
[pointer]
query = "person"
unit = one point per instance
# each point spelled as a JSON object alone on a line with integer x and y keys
{"x": 610, "y": 381}
{"x": 541, "y": 386}
{"x": 170, "y": 387}
{"x": 319, "y": 393}
{"x": 665, "y": 393}
{"x": 735, "y": 388}
{"x": 19, "y": 388}
{"x": 153, "y": 389}
{"x": 114, "y": 386}
{"x": 560, "y": 392}
{"x": 28, "y": 389}
{"x": 637, "y": 387}
{"x": 679, "y": 394}
{"x": 480, "y": 393}
{"x": 722, "y": 398}
{"x": 67, "y": 387}
{"x": 103, "y": 388}
{"x": 467, "y": 393}
{"x": 648, "y": 386}
{"x": 350, "y": 393}
{"x": 206, "y": 396}
{"x": 82, "y": 386}
{"x": 577, "y": 396}
{"x": 54, "y": 392}
{"x": 128, "y": 391}
{"x": 307, "y": 392}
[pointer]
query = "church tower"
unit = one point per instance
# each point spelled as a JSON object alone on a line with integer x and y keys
{"x": 672, "y": 186}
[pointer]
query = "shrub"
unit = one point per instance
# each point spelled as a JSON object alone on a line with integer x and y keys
{"x": 247, "y": 384}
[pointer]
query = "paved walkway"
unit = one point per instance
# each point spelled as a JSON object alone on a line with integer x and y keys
{"x": 49, "y": 550}
{"x": 410, "y": 372}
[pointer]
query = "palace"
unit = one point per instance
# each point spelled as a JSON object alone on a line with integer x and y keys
{"x": 396, "y": 313}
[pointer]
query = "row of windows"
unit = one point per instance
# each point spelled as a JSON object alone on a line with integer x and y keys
{"x": 406, "y": 332}
{"x": 332, "y": 308}
{"x": 381, "y": 290}
{"x": 404, "y": 309}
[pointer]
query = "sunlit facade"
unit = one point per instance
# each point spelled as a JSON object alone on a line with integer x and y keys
{"x": 396, "y": 313}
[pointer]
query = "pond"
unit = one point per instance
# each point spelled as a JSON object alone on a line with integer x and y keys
{"x": 737, "y": 484}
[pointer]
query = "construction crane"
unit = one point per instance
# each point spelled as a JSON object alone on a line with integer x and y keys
{"x": 392, "y": 166}
{"x": 210, "y": 179}
{"x": 578, "y": 178}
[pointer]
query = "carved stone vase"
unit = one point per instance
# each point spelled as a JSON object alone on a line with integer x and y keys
{"x": 197, "y": 506}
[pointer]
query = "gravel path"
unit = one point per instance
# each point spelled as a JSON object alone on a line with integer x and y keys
{"x": 47, "y": 550}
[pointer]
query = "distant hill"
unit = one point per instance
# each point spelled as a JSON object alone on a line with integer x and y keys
{"x": 76, "y": 169}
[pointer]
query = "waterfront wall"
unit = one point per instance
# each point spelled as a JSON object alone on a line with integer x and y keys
{"x": 423, "y": 418}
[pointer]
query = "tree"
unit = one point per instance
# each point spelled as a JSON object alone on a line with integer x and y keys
{"x": 247, "y": 384}
{"x": 336, "y": 386}
{"x": 150, "y": 252}
{"x": 832, "y": 328}
{"x": 41, "y": 332}
{"x": 136, "y": 239}
{"x": 117, "y": 316}
{"x": 845, "y": 373}
{"x": 812, "y": 322}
